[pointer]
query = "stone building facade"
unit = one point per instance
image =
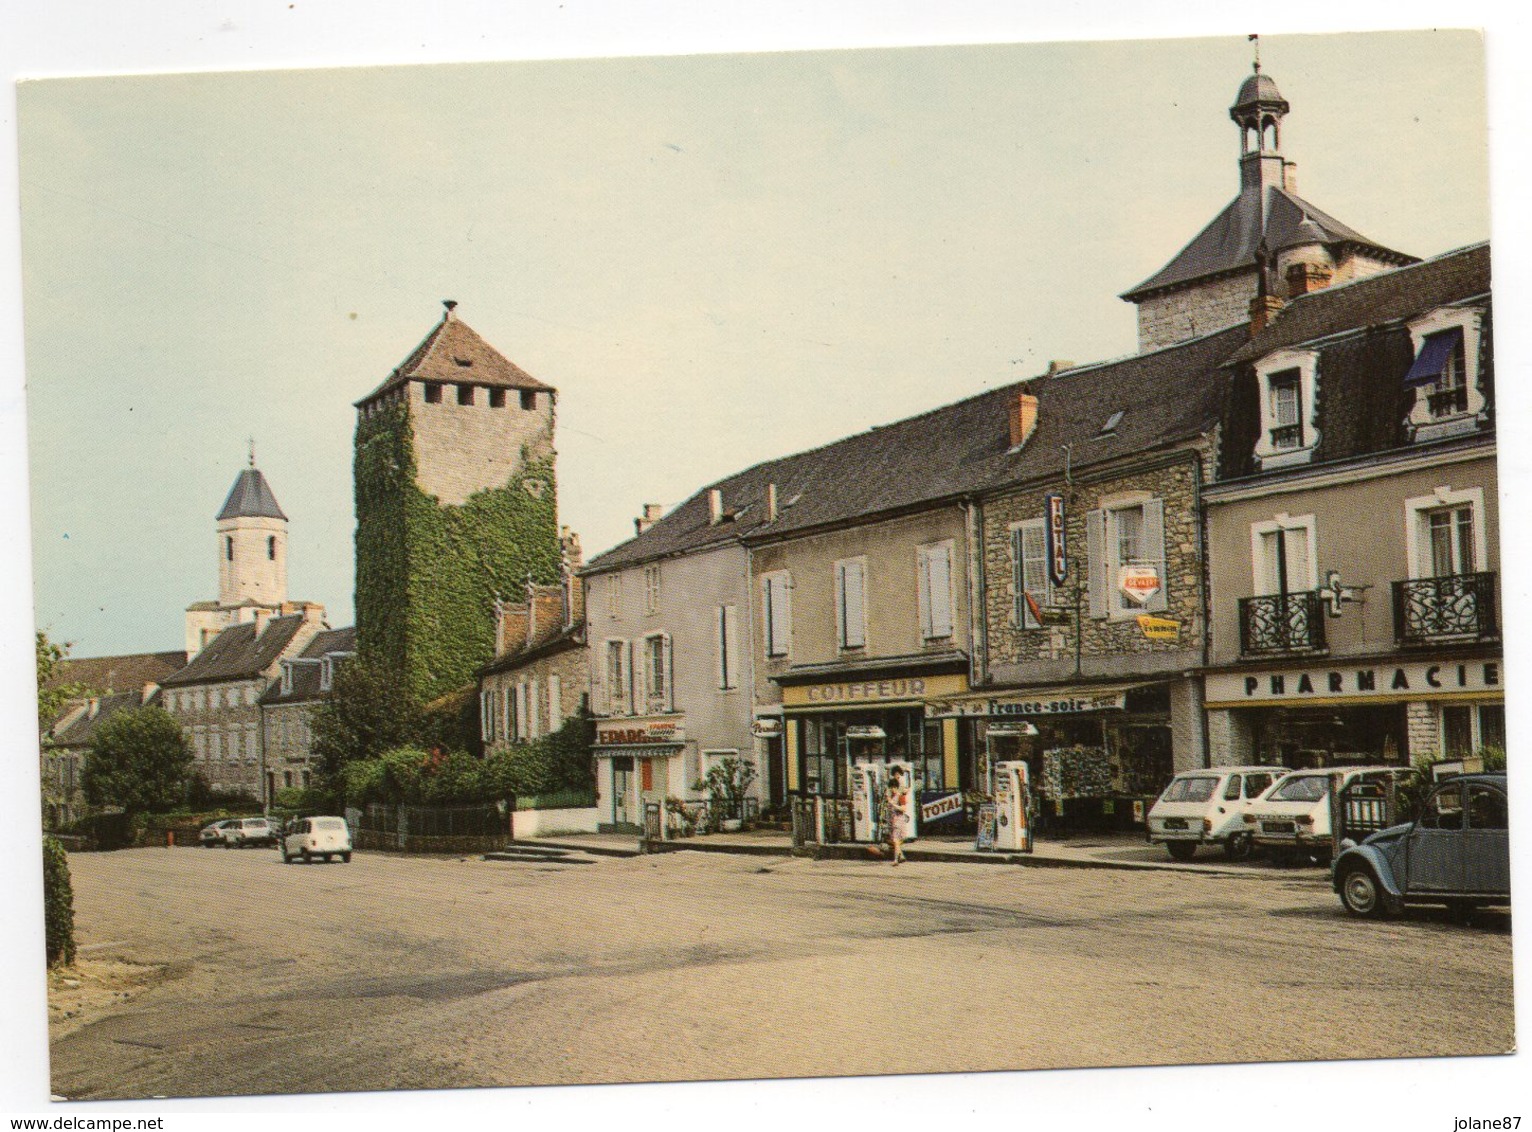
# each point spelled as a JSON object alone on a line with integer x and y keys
{"x": 540, "y": 677}
{"x": 288, "y": 703}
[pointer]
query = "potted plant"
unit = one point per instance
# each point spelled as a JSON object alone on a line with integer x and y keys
{"x": 726, "y": 783}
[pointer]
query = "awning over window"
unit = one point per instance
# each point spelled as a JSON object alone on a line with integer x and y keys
{"x": 1432, "y": 359}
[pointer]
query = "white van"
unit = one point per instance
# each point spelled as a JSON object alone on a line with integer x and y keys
{"x": 1208, "y": 807}
{"x": 1295, "y": 813}
{"x": 308, "y": 838}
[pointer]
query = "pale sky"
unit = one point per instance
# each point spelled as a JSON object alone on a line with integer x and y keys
{"x": 715, "y": 260}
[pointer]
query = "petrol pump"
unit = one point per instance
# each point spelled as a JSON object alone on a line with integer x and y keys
{"x": 1013, "y": 807}
{"x": 869, "y": 786}
{"x": 1003, "y": 743}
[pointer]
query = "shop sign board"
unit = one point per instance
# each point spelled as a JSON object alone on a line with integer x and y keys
{"x": 940, "y": 807}
{"x": 1063, "y": 702}
{"x": 1381, "y": 683}
{"x": 986, "y": 835}
{"x": 865, "y": 731}
{"x": 889, "y": 689}
{"x": 640, "y": 732}
{"x": 1058, "y": 557}
{"x": 1159, "y": 628}
{"x": 766, "y": 727}
{"x": 1139, "y": 583}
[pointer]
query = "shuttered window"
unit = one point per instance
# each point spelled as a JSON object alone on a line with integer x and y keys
{"x": 776, "y": 613}
{"x": 1029, "y": 567}
{"x": 728, "y": 647}
{"x": 851, "y": 603}
{"x": 1125, "y": 536}
{"x": 934, "y": 569}
{"x": 555, "y": 702}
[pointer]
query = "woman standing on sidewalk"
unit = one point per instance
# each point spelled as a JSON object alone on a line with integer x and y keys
{"x": 895, "y": 803}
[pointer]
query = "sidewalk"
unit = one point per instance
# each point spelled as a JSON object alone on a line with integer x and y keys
{"x": 1104, "y": 851}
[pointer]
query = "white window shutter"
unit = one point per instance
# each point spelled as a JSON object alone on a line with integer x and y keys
{"x": 1095, "y": 550}
{"x": 1019, "y": 576}
{"x": 923, "y": 590}
{"x": 555, "y": 702}
{"x": 532, "y": 702}
{"x": 670, "y": 676}
{"x": 638, "y": 676}
{"x": 940, "y": 562}
{"x": 1154, "y": 548}
{"x": 505, "y": 713}
{"x": 728, "y": 646}
{"x": 854, "y": 614}
{"x": 486, "y": 720}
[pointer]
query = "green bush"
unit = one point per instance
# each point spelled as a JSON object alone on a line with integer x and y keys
{"x": 58, "y": 904}
{"x": 302, "y": 800}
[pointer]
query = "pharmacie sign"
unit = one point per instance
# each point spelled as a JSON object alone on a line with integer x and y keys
{"x": 1419, "y": 680}
{"x": 1068, "y": 702}
{"x": 640, "y": 732}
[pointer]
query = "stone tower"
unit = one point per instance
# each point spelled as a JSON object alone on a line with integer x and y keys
{"x": 455, "y": 506}
{"x": 1214, "y": 282}
{"x": 252, "y": 563}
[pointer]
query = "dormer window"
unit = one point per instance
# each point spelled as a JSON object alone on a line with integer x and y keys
{"x": 1444, "y": 375}
{"x": 287, "y": 678}
{"x": 1288, "y": 434}
{"x": 326, "y": 674}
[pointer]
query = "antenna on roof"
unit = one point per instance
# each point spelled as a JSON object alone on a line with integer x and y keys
{"x": 1256, "y": 39}
{"x": 450, "y": 304}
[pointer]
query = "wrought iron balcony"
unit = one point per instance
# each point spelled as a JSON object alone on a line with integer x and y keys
{"x": 1459, "y": 607}
{"x": 1282, "y": 624}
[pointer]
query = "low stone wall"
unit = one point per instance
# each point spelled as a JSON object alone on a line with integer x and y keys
{"x": 544, "y": 823}
{"x": 367, "y": 839}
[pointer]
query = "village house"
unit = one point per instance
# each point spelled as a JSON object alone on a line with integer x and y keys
{"x": 287, "y": 707}
{"x": 1353, "y": 534}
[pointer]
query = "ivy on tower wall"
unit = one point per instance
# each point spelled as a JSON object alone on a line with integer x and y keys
{"x": 428, "y": 573}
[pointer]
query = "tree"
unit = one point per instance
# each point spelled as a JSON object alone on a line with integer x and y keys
{"x": 52, "y": 697}
{"x": 58, "y": 904}
{"x": 364, "y": 715}
{"x": 138, "y": 760}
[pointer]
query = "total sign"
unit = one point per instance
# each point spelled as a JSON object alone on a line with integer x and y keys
{"x": 1140, "y": 583}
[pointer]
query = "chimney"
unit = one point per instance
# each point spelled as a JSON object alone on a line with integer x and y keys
{"x": 1305, "y": 277}
{"x": 451, "y": 305}
{"x": 1023, "y": 418}
{"x": 650, "y": 516}
{"x": 1058, "y": 365}
{"x": 771, "y": 503}
{"x": 92, "y": 708}
{"x": 714, "y": 506}
{"x": 1263, "y": 312}
{"x": 1290, "y": 176}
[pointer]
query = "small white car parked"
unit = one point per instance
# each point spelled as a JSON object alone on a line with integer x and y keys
{"x": 1208, "y": 807}
{"x": 248, "y": 831}
{"x": 308, "y": 838}
{"x": 1295, "y": 813}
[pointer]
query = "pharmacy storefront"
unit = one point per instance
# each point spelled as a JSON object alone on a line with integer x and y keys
{"x": 1390, "y": 711}
{"x": 1095, "y": 752}
{"x": 636, "y": 759}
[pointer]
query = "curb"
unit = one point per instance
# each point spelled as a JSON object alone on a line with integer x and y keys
{"x": 570, "y": 847}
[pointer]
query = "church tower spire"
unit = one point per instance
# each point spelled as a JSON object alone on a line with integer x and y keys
{"x": 252, "y": 542}
{"x": 1258, "y": 111}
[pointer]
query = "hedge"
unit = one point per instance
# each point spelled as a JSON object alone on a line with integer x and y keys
{"x": 58, "y": 904}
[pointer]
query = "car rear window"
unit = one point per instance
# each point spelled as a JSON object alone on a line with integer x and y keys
{"x": 1197, "y": 789}
{"x": 329, "y": 823}
{"x": 1302, "y": 788}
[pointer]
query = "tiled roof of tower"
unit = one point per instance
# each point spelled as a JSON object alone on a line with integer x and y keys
{"x": 1229, "y": 243}
{"x": 239, "y": 652}
{"x": 250, "y": 497}
{"x": 454, "y": 352}
{"x": 118, "y": 673}
{"x": 1387, "y": 296}
{"x": 961, "y": 449}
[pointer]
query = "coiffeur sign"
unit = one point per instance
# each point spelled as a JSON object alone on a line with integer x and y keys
{"x": 888, "y": 690}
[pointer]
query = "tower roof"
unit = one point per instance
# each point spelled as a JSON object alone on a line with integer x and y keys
{"x": 1259, "y": 90}
{"x": 454, "y": 352}
{"x": 251, "y": 497}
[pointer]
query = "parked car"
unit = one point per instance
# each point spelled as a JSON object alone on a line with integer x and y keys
{"x": 248, "y": 831}
{"x": 1456, "y": 852}
{"x": 324, "y": 837}
{"x": 212, "y": 836}
{"x": 1295, "y": 812}
{"x": 1207, "y": 807}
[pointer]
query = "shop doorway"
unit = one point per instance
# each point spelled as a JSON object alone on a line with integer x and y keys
{"x": 776, "y": 773}
{"x": 622, "y": 790}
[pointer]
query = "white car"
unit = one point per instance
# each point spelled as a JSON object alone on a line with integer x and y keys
{"x": 1295, "y": 813}
{"x": 1208, "y": 807}
{"x": 308, "y": 838}
{"x": 248, "y": 831}
{"x": 214, "y": 835}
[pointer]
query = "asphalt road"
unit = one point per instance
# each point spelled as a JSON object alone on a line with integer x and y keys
{"x": 395, "y": 972}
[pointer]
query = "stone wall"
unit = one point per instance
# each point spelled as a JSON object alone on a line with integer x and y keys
{"x": 1422, "y": 729}
{"x": 461, "y": 449}
{"x": 570, "y": 665}
{"x": 222, "y": 722}
{"x": 1113, "y": 645}
{"x": 1191, "y": 312}
{"x": 1230, "y": 739}
{"x": 289, "y": 742}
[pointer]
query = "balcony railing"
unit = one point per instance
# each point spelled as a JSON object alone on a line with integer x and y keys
{"x": 1459, "y": 607}
{"x": 1279, "y": 624}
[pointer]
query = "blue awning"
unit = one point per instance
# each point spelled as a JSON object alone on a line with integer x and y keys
{"x": 1433, "y": 356}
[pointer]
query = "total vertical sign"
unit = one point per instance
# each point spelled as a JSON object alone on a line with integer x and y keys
{"x": 1058, "y": 554}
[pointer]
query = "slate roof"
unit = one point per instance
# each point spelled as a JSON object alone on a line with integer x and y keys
{"x": 544, "y": 645}
{"x": 958, "y": 450}
{"x": 118, "y": 673}
{"x": 305, "y": 682}
{"x": 454, "y": 352}
{"x": 1364, "y": 350}
{"x": 250, "y": 497}
{"x": 238, "y": 653}
{"x": 79, "y": 731}
{"x": 1229, "y": 243}
{"x": 1388, "y": 296}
